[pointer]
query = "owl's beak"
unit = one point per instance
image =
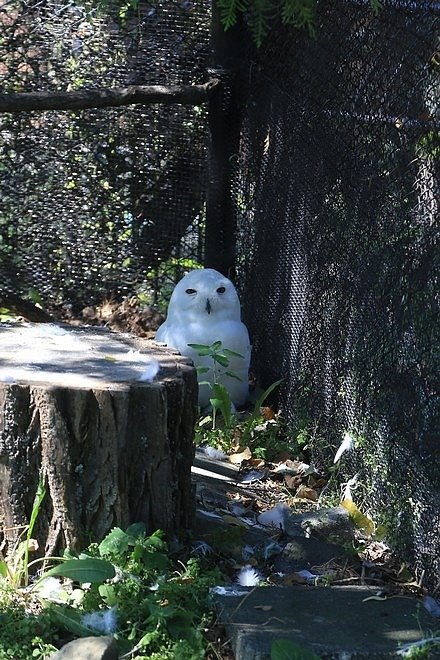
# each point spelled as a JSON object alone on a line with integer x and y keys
{"x": 208, "y": 306}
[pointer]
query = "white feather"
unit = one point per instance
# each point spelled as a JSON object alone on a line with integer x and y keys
{"x": 248, "y": 576}
{"x": 346, "y": 445}
{"x": 104, "y": 621}
{"x": 204, "y": 308}
{"x": 275, "y": 517}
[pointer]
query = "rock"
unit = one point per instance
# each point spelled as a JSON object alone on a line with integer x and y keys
{"x": 88, "y": 648}
{"x": 304, "y": 553}
{"x": 333, "y": 524}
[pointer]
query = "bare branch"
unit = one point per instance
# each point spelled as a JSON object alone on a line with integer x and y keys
{"x": 107, "y": 97}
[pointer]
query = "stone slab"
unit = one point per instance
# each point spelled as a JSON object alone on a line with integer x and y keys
{"x": 333, "y": 622}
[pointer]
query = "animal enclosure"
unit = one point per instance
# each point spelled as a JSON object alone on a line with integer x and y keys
{"x": 334, "y": 195}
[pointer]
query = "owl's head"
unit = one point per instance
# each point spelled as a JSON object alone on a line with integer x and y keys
{"x": 204, "y": 293}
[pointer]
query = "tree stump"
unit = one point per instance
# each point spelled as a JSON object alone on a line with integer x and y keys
{"x": 113, "y": 441}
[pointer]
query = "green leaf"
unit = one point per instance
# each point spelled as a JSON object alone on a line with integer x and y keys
{"x": 3, "y": 569}
{"x": 202, "y": 370}
{"x": 216, "y": 346}
{"x": 229, "y": 353}
{"x": 84, "y": 570}
{"x": 69, "y": 619}
{"x": 265, "y": 394}
{"x": 116, "y": 543}
{"x": 202, "y": 348}
{"x": 137, "y": 530}
{"x": 284, "y": 649}
{"x": 221, "y": 359}
{"x": 232, "y": 375}
{"x": 229, "y": 10}
{"x": 108, "y": 594}
{"x": 221, "y": 400}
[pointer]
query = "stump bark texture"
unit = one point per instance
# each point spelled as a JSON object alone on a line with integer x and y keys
{"x": 113, "y": 446}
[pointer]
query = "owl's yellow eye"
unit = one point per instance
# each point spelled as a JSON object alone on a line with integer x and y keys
{"x": 190, "y": 291}
{"x": 221, "y": 289}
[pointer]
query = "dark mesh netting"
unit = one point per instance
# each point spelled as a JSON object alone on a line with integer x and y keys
{"x": 337, "y": 196}
{"x": 101, "y": 203}
{"x": 335, "y": 191}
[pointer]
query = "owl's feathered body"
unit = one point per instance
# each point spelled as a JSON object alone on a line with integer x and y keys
{"x": 204, "y": 308}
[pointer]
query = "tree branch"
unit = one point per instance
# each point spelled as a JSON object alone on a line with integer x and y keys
{"x": 107, "y": 97}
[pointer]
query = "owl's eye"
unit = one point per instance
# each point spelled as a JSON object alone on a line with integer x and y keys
{"x": 190, "y": 291}
{"x": 221, "y": 289}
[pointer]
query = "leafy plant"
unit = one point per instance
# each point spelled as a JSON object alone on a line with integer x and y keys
{"x": 126, "y": 585}
{"x": 220, "y": 400}
{"x": 232, "y": 430}
{"x": 15, "y": 566}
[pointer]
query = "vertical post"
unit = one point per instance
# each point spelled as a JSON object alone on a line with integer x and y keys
{"x": 224, "y": 124}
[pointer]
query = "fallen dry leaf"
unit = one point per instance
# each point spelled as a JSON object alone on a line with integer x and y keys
{"x": 292, "y": 481}
{"x": 267, "y": 412}
{"x": 307, "y": 493}
{"x": 233, "y": 520}
{"x": 241, "y": 456}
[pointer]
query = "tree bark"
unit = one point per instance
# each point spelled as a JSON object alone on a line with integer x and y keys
{"x": 110, "y": 455}
{"x": 106, "y": 97}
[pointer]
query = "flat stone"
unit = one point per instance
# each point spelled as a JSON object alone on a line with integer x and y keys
{"x": 333, "y": 622}
{"x": 88, "y": 648}
{"x": 333, "y": 524}
{"x": 305, "y": 553}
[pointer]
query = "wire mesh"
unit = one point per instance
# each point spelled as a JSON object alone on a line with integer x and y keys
{"x": 337, "y": 200}
{"x": 335, "y": 191}
{"x": 101, "y": 203}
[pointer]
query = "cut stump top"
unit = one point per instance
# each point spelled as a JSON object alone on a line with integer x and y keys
{"x": 86, "y": 357}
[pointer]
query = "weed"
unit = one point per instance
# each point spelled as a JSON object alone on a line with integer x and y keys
{"x": 127, "y": 586}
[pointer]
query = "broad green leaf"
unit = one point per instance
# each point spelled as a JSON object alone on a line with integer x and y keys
{"x": 284, "y": 649}
{"x": 202, "y": 370}
{"x": 3, "y": 569}
{"x": 136, "y": 530}
{"x": 216, "y": 346}
{"x": 115, "y": 543}
{"x": 108, "y": 594}
{"x": 84, "y": 570}
{"x": 221, "y": 359}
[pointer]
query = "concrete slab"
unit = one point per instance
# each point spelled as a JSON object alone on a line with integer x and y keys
{"x": 333, "y": 622}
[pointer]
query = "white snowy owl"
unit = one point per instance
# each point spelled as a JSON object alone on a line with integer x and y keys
{"x": 204, "y": 308}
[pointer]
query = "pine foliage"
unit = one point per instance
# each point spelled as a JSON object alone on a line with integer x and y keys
{"x": 261, "y": 13}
